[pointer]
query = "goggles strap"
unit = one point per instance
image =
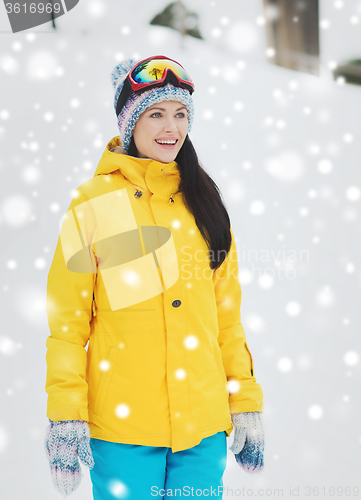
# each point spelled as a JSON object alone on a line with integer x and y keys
{"x": 124, "y": 95}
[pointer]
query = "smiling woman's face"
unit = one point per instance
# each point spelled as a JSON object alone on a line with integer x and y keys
{"x": 163, "y": 121}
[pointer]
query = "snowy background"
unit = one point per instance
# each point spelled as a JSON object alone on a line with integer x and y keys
{"x": 284, "y": 148}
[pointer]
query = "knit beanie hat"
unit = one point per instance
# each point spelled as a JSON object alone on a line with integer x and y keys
{"x": 138, "y": 103}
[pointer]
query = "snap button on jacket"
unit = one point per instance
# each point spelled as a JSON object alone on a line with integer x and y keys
{"x": 145, "y": 336}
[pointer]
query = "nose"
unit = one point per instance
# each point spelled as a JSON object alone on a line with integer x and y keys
{"x": 170, "y": 125}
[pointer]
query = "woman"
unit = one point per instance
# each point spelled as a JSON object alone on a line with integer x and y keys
{"x": 146, "y": 271}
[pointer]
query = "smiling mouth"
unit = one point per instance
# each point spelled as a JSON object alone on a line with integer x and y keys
{"x": 167, "y": 146}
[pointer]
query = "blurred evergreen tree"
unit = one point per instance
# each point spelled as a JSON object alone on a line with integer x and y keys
{"x": 177, "y": 17}
{"x": 350, "y": 70}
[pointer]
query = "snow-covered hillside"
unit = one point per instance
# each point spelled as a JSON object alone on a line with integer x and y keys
{"x": 284, "y": 148}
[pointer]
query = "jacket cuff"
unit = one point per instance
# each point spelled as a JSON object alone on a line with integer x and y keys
{"x": 244, "y": 406}
{"x": 62, "y": 414}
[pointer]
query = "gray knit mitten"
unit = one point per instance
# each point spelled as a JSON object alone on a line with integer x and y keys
{"x": 65, "y": 441}
{"x": 248, "y": 442}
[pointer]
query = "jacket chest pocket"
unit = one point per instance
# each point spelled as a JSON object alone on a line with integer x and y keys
{"x": 107, "y": 368}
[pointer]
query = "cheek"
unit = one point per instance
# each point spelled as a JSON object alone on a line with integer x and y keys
{"x": 150, "y": 130}
{"x": 184, "y": 128}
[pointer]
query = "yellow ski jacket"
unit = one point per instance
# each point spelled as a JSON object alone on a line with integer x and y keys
{"x": 146, "y": 340}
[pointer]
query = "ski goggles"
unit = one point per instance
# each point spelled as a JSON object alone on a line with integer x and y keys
{"x": 154, "y": 72}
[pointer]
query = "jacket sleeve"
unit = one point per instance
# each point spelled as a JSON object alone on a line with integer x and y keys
{"x": 69, "y": 306}
{"x": 245, "y": 394}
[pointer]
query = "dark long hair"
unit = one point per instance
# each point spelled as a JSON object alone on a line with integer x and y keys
{"x": 202, "y": 198}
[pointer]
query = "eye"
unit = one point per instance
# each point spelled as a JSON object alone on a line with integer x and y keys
{"x": 158, "y": 113}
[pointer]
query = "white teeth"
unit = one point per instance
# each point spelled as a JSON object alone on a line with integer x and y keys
{"x": 166, "y": 142}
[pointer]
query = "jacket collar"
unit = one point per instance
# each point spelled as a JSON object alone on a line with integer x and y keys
{"x": 144, "y": 173}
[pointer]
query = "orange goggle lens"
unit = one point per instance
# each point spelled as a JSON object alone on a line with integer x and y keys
{"x": 153, "y": 70}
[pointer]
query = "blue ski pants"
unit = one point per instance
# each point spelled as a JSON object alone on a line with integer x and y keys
{"x": 137, "y": 472}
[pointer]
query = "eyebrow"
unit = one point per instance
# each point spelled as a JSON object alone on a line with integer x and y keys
{"x": 162, "y": 109}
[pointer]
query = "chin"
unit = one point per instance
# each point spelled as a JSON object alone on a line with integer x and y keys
{"x": 167, "y": 158}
